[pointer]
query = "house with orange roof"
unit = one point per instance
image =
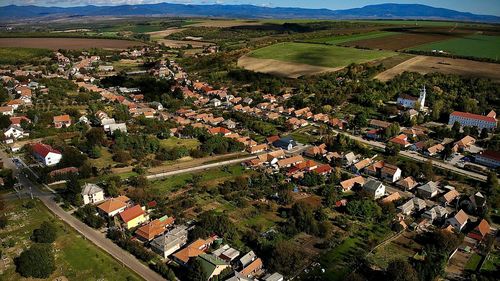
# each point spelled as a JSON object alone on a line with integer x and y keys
{"x": 192, "y": 250}
{"x": 458, "y": 221}
{"x": 314, "y": 151}
{"x": 134, "y": 216}
{"x": 435, "y": 149}
{"x": 350, "y": 183}
{"x": 407, "y": 183}
{"x": 359, "y": 166}
{"x": 112, "y": 207}
{"x": 15, "y": 104}
{"x": 257, "y": 148}
{"x": 401, "y": 140}
{"x": 463, "y": 144}
{"x": 288, "y": 162}
{"x": 7, "y": 110}
{"x": 253, "y": 269}
{"x": 219, "y": 131}
{"x": 154, "y": 228}
{"x": 449, "y": 197}
{"x": 62, "y": 121}
{"x": 480, "y": 231}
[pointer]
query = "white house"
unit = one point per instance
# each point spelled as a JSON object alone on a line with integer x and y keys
{"x": 390, "y": 173}
{"x": 7, "y": 110}
{"x": 375, "y": 188}
{"x": 122, "y": 127}
{"x": 92, "y": 194}
{"x": 14, "y": 132}
{"x": 46, "y": 154}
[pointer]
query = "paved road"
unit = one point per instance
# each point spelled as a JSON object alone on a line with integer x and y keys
{"x": 419, "y": 158}
{"x": 212, "y": 165}
{"x": 91, "y": 234}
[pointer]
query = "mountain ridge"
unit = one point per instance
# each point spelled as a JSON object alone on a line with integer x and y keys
{"x": 378, "y": 11}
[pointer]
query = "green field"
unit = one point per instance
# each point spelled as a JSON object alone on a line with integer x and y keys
{"x": 473, "y": 262}
{"x": 481, "y": 46}
{"x": 174, "y": 142}
{"x": 318, "y": 54}
{"x": 76, "y": 257}
{"x": 22, "y": 55}
{"x": 334, "y": 40}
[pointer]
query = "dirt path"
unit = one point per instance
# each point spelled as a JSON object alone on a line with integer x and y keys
{"x": 281, "y": 68}
{"x": 428, "y": 64}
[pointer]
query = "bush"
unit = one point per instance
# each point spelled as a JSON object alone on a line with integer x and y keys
{"x": 47, "y": 233}
{"x": 37, "y": 261}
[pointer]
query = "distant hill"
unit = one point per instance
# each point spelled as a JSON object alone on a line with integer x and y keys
{"x": 381, "y": 11}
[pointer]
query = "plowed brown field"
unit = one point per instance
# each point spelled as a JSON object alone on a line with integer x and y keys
{"x": 67, "y": 43}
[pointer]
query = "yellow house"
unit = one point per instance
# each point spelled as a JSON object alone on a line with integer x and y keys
{"x": 134, "y": 216}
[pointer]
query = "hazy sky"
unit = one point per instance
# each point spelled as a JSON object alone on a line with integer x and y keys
{"x": 491, "y": 7}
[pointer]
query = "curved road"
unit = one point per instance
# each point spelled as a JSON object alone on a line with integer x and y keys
{"x": 96, "y": 237}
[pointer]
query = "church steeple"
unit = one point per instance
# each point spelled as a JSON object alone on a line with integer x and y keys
{"x": 421, "y": 99}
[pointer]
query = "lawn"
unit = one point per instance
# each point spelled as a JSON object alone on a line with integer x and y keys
{"x": 76, "y": 258}
{"x": 208, "y": 178}
{"x": 22, "y": 55}
{"x": 318, "y": 54}
{"x": 174, "y": 142}
{"x": 480, "y": 46}
{"x": 334, "y": 40}
{"x": 473, "y": 262}
{"x": 105, "y": 160}
{"x": 492, "y": 262}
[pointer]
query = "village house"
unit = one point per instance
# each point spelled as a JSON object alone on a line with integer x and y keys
{"x": 435, "y": 213}
{"x": 347, "y": 185}
{"x": 45, "y": 154}
{"x": 257, "y": 148}
{"x": 480, "y": 231}
{"x": 407, "y": 183}
{"x": 390, "y": 173}
{"x": 92, "y": 194}
{"x": 449, "y": 197}
{"x": 226, "y": 253}
{"x": 288, "y": 162}
{"x": 15, "y": 132}
{"x": 417, "y": 103}
{"x": 375, "y": 188}
{"x": 412, "y": 205}
{"x": 154, "y": 228}
{"x": 458, "y": 221}
{"x": 170, "y": 242}
{"x": 435, "y": 149}
{"x": 401, "y": 140}
{"x": 374, "y": 123}
{"x": 316, "y": 151}
{"x": 463, "y": 144}
{"x": 113, "y": 206}
{"x": 193, "y": 250}
{"x": 62, "y": 121}
{"x": 359, "y": 166}
{"x": 212, "y": 266}
{"x": 474, "y": 120}
{"x": 134, "y": 216}
{"x": 245, "y": 260}
{"x": 349, "y": 158}
{"x": 7, "y": 110}
{"x": 219, "y": 131}
{"x": 273, "y": 277}
{"x": 252, "y": 269}
{"x": 428, "y": 190}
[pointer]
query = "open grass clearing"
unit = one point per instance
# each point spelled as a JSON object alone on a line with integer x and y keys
{"x": 174, "y": 142}
{"x": 480, "y": 46}
{"x": 317, "y": 54}
{"x": 473, "y": 262}
{"x": 76, "y": 258}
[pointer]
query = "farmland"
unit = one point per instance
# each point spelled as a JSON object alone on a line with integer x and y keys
{"x": 428, "y": 64}
{"x": 318, "y": 54}
{"x": 481, "y": 46}
{"x": 354, "y": 37}
{"x": 67, "y": 43}
{"x": 398, "y": 41}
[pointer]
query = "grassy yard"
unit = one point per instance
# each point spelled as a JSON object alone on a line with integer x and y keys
{"x": 318, "y": 54}
{"x": 15, "y": 55}
{"x": 492, "y": 262}
{"x": 473, "y": 262}
{"x": 76, "y": 258}
{"x": 334, "y": 40}
{"x": 105, "y": 160}
{"x": 480, "y": 46}
{"x": 174, "y": 142}
{"x": 208, "y": 178}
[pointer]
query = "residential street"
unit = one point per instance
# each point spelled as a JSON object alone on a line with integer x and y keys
{"x": 94, "y": 236}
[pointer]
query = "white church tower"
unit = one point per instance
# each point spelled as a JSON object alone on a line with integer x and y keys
{"x": 421, "y": 98}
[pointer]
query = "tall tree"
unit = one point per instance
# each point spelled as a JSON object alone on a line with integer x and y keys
{"x": 37, "y": 261}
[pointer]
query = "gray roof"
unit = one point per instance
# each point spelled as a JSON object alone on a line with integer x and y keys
{"x": 176, "y": 236}
{"x": 248, "y": 258}
{"x": 90, "y": 188}
{"x": 372, "y": 185}
{"x": 430, "y": 187}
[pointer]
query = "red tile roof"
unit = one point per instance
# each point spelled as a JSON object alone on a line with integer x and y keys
{"x": 62, "y": 118}
{"x": 43, "y": 149}
{"x": 473, "y": 116}
{"x": 131, "y": 213}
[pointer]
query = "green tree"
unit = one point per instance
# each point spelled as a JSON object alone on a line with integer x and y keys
{"x": 491, "y": 183}
{"x": 400, "y": 270}
{"x": 37, "y": 261}
{"x": 47, "y": 233}
{"x": 195, "y": 271}
{"x": 4, "y": 121}
{"x": 73, "y": 191}
{"x": 95, "y": 136}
